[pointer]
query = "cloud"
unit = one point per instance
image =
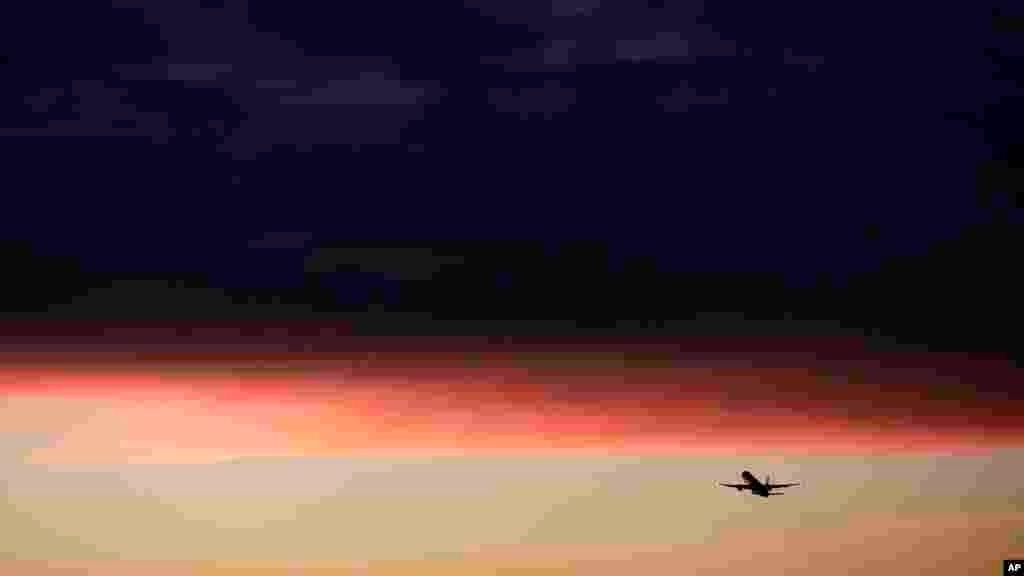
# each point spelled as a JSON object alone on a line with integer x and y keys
{"x": 810, "y": 62}
{"x": 17, "y": 446}
{"x": 370, "y": 89}
{"x": 571, "y": 8}
{"x": 663, "y": 46}
{"x": 283, "y": 96}
{"x": 548, "y": 99}
{"x": 610, "y": 33}
{"x": 559, "y": 52}
{"x": 142, "y": 297}
{"x": 603, "y": 515}
{"x": 683, "y": 96}
{"x": 281, "y": 241}
{"x": 98, "y": 110}
{"x": 407, "y": 263}
{"x": 196, "y": 72}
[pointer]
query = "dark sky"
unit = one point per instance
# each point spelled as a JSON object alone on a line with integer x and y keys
{"x": 726, "y": 167}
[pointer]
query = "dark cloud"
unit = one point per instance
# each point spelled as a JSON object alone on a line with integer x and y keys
{"x": 664, "y": 45}
{"x": 619, "y": 155}
{"x": 267, "y": 77}
{"x": 281, "y": 240}
{"x": 546, "y": 100}
{"x": 367, "y": 90}
{"x": 811, "y": 62}
{"x": 407, "y": 263}
{"x": 218, "y": 54}
{"x": 682, "y": 97}
{"x": 89, "y": 108}
{"x": 562, "y": 8}
{"x": 196, "y": 72}
{"x": 603, "y": 34}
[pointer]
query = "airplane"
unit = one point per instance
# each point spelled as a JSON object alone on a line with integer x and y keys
{"x": 757, "y": 487}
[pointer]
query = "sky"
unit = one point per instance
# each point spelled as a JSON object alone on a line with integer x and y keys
{"x": 468, "y": 456}
{"x": 439, "y": 395}
{"x": 494, "y": 286}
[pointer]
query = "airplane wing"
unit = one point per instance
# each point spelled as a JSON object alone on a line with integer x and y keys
{"x": 740, "y": 486}
{"x": 774, "y": 486}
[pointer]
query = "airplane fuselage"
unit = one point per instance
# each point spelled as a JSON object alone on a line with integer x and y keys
{"x": 756, "y": 487}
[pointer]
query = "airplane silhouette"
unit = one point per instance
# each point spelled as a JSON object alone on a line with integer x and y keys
{"x": 757, "y": 487}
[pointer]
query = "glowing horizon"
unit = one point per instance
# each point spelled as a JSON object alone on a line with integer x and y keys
{"x": 562, "y": 400}
{"x": 437, "y": 456}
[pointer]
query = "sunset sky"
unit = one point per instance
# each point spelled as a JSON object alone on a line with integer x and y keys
{"x": 460, "y": 456}
{"x": 509, "y": 287}
{"x": 480, "y": 396}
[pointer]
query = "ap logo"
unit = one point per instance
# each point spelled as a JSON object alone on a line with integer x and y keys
{"x": 1015, "y": 567}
